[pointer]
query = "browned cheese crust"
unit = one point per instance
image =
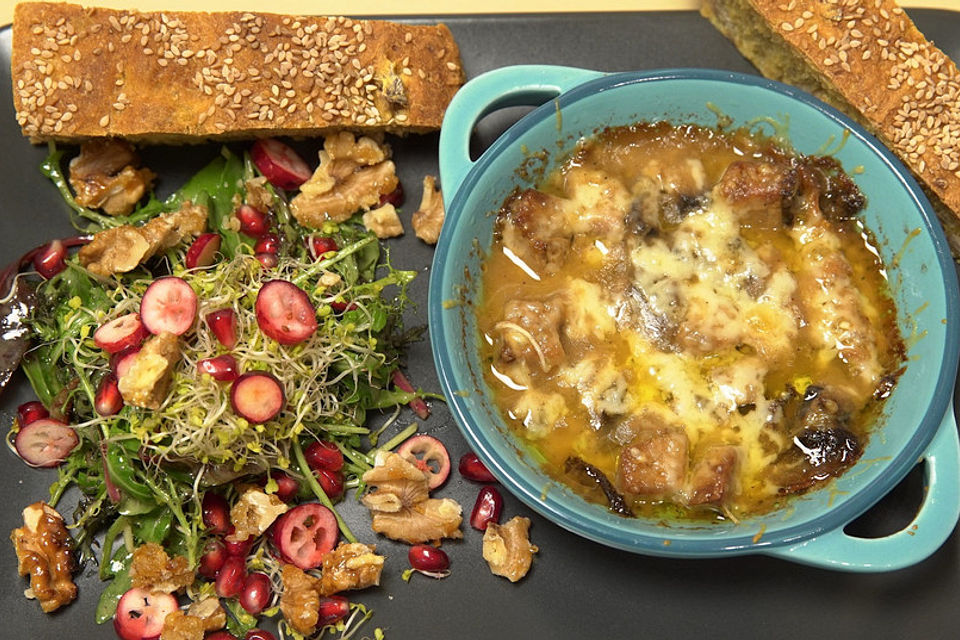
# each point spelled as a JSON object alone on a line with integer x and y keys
{"x": 183, "y": 76}
{"x": 867, "y": 58}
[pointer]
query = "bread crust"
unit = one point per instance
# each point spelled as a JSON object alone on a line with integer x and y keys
{"x": 189, "y": 76}
{"x": 867, "y": 58}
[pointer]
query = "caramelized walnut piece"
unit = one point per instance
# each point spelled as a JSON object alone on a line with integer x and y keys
{"x": 383, "y": 221}
{"x": 210, "y": 612}
{"x": 257, "y": 195}
{"x": 352, "y": 175}
{"x": 104, "y": 176}
{"x": 253, "y": 513}
{"x": 507, "y": 548}
{"x": 147, "y": 381}
{"x": 350, "y": 566}
{"x": 300, "y": 599}
{"x": 428, "y": 219}
{"x": 401, "y": 505}
{"x": 44, "y": 552}
{"x": 181, "y": 626}
{"x": 123, "y": 248}
{"x": 152, "y": 569}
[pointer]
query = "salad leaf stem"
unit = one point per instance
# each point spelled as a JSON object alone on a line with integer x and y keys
{"x": 325, "y": 264}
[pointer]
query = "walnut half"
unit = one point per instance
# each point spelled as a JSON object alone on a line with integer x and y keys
{"x": 507, "y": 548}
{"x": 45, "y": 553}
{"x": 104, "y": 176}
{"x": 428, "y": 219}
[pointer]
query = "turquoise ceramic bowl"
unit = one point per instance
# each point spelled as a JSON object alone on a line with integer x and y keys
{"x": 918, "y": 421}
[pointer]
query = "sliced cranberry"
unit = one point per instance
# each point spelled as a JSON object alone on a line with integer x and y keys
{"x": 253, "y": 222}
{"x": 140, "y": 614}
{"x": 120, "y": 363}
{"x": 232, "y": 575}
{"x": 223, "y": 368}
{"x": 395, "y": 197}
{"x": 304, "y": 534}
{"x": 424, "y": 557}
{"x": 332, "y": 609}
{"x": 487, "y": 508}
{"x": 216, "y": 513}
{"x": 257, "y": 396}
{"x": 267, "y": 243}
{"x": 31, "y": 411}
{"x": 320, "y": 245}
{"x": 214, "y": 555}
{"x": 223, "y": 324}
{"x": 429, "y": 455}
{"x": 330, "y": 481}
{"x": 108, "y": 401}
{"x": 169, "y": 305}
{"x": 45, "y": 442}
{"x": 279, "y": 164}
{"x": 51, "y": 259}
{"x": 284, "y": 312}
{"x": 121, "y": 334}
{"x": 323, "y": 454}
{"x": 256, "y": 593}
{"x": 203, "y": 251}
{"x": 473, "y": 469}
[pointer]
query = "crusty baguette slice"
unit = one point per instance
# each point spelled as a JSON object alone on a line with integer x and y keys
{"x": 868, "y": 59}
{"x": 182, "y": 76}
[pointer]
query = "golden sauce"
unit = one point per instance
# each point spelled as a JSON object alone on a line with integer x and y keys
{"x": 654, "y": 285}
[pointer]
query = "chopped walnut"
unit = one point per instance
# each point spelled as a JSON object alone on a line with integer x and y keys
{"x": 210, "y": 611}
{"x": 45, "y": 553}
{"x": 181, "y": 626}
{"x": 383, "y": 221}
{"x": 350, "y": 566}
{"x": 401, "y": 504}
{"x": 507, "y": 548}
{"x": 152, "y": 569}
{"x": 428, "y": 219}
{"x": 330, "y": 279}
{"x": 123, "y": 248}
{"x": 352, "y": 176}
{"x": 257, "y": 195}
{"x": 147, "y": 381}
{"x": 253, "y": 513}
{"x": 104, "y": 176}
{"x": 300, "y": 599}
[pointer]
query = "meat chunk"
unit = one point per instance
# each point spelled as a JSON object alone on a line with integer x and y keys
{"x": 253, "y": 513}
{"x": 350, "y": 566}
{"x": 45, "y": 553}
{"x": 713, "y": 475}
{"x": 383, "y": 221}
{"x": 761, "y": 191}
{"x": 532, "y": 225}
{"x": 147, "y": 382}
{"x": 152, "y": 569}
{"x": 428, "y": 218}
{"x": 352, "y": 175}
{"x": 530, "y": 331}
{"x": 507, "y": 548}
{"x": 654, "y": 463}
{"x": 401, "y": 505}
{"x": 104, "y": 176}
{"x": 123, "y": 248}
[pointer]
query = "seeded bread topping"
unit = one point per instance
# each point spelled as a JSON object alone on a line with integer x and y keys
{"x": 175, "y": 76}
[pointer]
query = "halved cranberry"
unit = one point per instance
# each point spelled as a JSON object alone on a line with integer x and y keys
{"x": 256, "y": 593}
{"x": 332, "y": 610}
{"x": 51, "y": 259}
{"x": 31, "y": 411}
{"x": 267, "y": 243}
{"x": 473, "y": 469}
{"x": 487, "y": 508}
{"x": 320, "y": 245}
{"x": 121, "y": 334}
{"x": 232, "y": 575}
{"x": 223, "y": 368}
{"x": 169, "y": 305}
{"x": 257, "y": 396}
{"x": 203, "y": 251}
{"x": 279, "y": 164}
{"x": 216, "y": 513}
{"x": 305, "y": 534}
{"x": 330, "y": 481}
{"x": 108, "y": 401}
{"x": 253, "y": 222}
{"x": 429, "y": 456}
{"x": 140, "y": 614}
{"x": 284, "y": 312}
{"x": 323, "y": 454}
{"x": 427, "y": 558}
{"x": 45, "y": 442}
{"x": 223, "y": 324}
{"x": 214, "y": 555}
{"x": 120, "y": 363}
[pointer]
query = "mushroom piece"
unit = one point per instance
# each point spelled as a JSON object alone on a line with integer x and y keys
{"x": 507, "y": 548}
{"x": 104, "y": 176}
{"x": 401, "y": 505}
{"x": 428, "y": 219}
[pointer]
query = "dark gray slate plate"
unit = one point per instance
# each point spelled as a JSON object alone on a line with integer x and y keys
{"x": 577, "y": 589}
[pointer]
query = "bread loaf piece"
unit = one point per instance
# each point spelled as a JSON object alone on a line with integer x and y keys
{"x": 183, "y": 76}
{"x": 866, "y": 58}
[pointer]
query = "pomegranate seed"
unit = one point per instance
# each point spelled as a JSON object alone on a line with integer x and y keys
{"x": 30, "y": 411}
{"x": 268, "y": 260}
{"x": 429, "y": 559}
{"x": 108, "y": 401}
{"x": 51, "y": 259}
{"x": 330, "y": 481}
{"x": 215, "y": 554}
{"x": 324, "y": 455}
{"x": 395, "y": 197}
{"x": 253, "y": 222}
{"x": 220, "y": 635}
{"x": 222, "y": 368}
{"x": 216, "y": 514}
{"x": 231, "y": 578}
{"x": 267, "y": 243}
{"x": 224, "y": 326}
{"x": 287, "y": 486}
{"x": 472, "y": 469}
{"x": 256, "y": 594}
{"x": 332, "y": 610}
{"x": 320, "y": 245}
{"x": 341, "y": 307}
{"x": 256, "y": 634}
{"x": 487, "y": 508}
{"x": 239, "y": 548}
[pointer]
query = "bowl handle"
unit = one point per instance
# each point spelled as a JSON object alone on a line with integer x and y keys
{"x": 932, "y": 525}
{"x": 497, "y": 89}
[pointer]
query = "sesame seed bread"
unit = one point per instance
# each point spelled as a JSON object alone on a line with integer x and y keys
{"x": 184, "y": 76}
{"x": 866, "y": 58}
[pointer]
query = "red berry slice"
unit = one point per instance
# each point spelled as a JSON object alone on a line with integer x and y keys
{"x": 304, "y": 534}
{"x": 257, "y": 396}
{"x": 473, "y": 469}
{"x": 487, "y": 508}
{"x": 203, "y": 251}
{"x": 223, "y": 323}
{"x": 140, "y": 614}
{"x": 121, "y": 362}
{"x": 108, "y": 401}
{"x": 45, "y": 442}
{"x": 253, "y": 222}
{"x": 169, "y": 305}
{"x": 279, "y": 164}
{"x": 125, "y": 332}
{"x": 284, "y": 312}
{"x": 222, "y": 368}
{"x": 31, "y": 412}
{"x": 430, "y": 456}
{"x": 50, "y": 260}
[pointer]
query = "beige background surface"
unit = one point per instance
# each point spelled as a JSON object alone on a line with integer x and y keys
{"x": 418, "y": 7}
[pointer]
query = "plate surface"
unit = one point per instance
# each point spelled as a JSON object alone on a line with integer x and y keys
{"x": 576, "y": 589}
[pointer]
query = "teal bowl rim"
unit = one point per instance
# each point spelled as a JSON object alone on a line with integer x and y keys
{"x": 573, "y": 519}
